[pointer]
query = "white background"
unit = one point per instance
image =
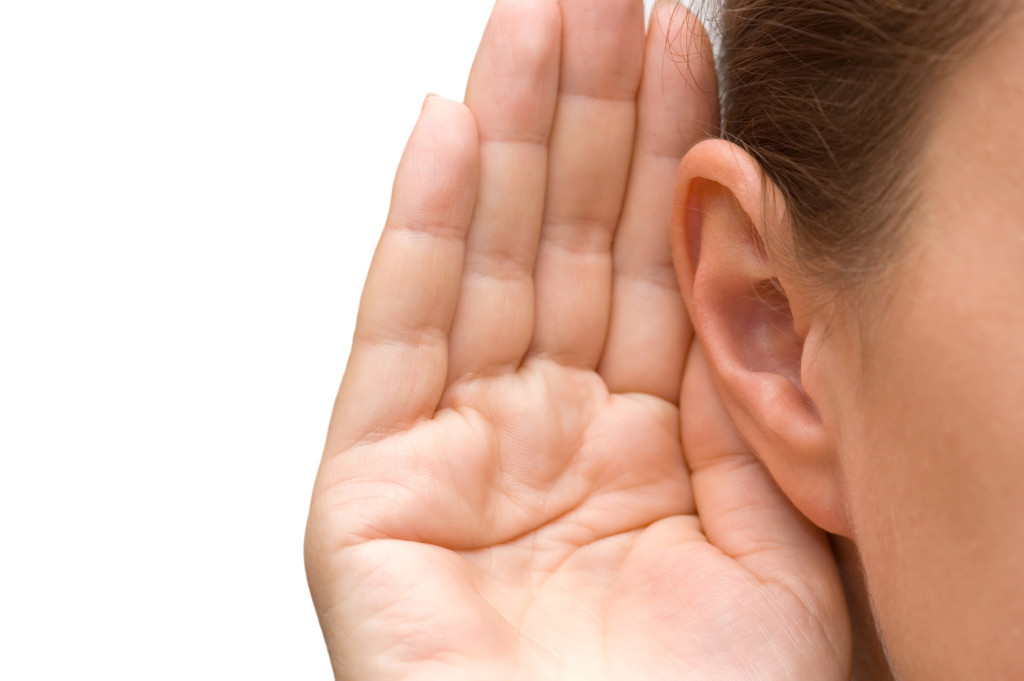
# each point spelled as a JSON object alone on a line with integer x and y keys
{"x": 190, "y": 193}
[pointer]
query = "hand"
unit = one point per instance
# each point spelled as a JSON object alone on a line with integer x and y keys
{"x": 503, "y": 493}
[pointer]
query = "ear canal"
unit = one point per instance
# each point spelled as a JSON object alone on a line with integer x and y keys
{"x": 744, "y": 319}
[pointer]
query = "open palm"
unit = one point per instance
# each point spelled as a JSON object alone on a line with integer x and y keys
{"x": 504, "y": 493}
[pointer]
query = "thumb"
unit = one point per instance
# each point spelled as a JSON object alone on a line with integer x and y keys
{"x": 741, "y": 509}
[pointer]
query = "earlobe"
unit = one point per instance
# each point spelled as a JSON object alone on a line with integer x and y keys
{"x": 744, "y": 317}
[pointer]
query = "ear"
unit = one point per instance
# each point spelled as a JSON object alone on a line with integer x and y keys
{"x": 751, "y": 325}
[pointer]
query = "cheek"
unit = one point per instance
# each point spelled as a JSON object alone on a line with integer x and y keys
{"x": 935, "y": 474}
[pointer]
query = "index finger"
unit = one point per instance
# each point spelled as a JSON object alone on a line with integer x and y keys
{"x": 649, "y": 330}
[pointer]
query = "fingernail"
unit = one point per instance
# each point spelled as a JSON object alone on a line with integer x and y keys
{"x": 430, "y": 96}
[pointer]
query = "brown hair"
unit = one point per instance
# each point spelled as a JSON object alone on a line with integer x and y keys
{"x": 831, "y": 98}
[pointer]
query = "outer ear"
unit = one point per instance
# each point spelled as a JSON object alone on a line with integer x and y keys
{"x": 750, "y": 324}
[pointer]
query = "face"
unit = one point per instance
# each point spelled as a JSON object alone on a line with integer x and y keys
{"x": 928, "y": 399}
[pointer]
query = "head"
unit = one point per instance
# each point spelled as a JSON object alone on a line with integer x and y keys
{"x": 851, "y": 252}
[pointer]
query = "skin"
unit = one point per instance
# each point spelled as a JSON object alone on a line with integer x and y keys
{"x": 891, "y": 414}
{"x": 514, "y": 486}
{"x": 505, "y": 491}
{"x": 941, "y": 396}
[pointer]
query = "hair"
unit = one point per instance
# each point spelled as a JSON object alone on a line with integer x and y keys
{"x": 832, "y": 98}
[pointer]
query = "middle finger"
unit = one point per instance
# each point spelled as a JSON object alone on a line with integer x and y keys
{"x": 589, "y": 159}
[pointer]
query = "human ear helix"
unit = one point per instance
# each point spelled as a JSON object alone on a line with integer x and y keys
{"x": 744, "y": 317}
